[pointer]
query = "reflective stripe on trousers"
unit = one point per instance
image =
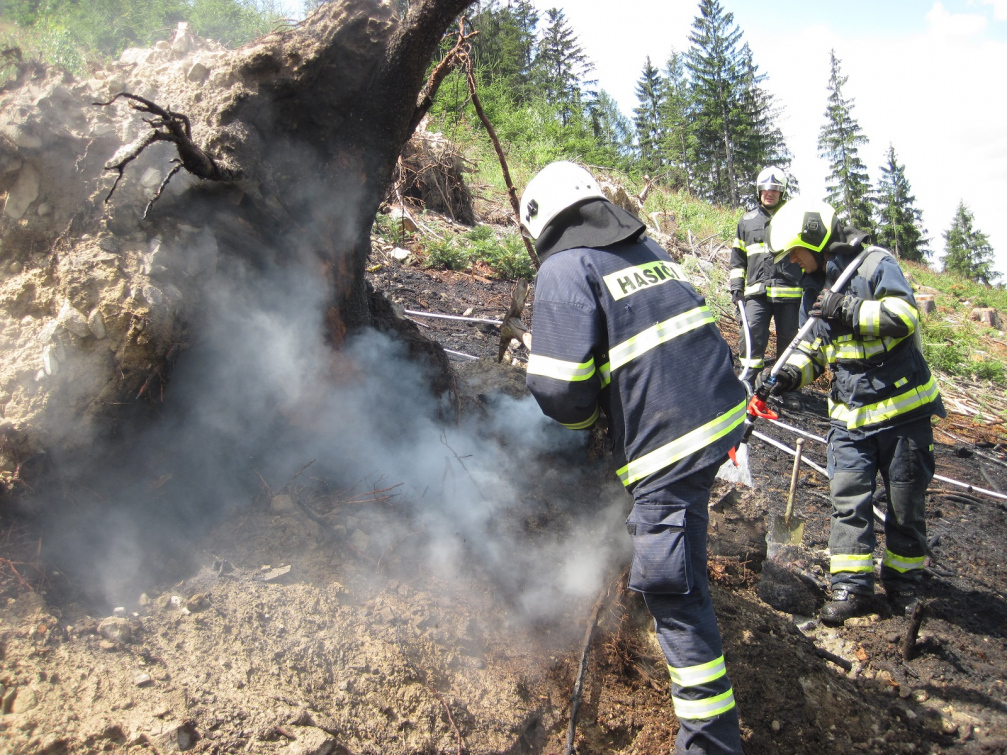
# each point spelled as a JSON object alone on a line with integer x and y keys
{"x": 904, "y": 456}
{"x": 685, "y": 622}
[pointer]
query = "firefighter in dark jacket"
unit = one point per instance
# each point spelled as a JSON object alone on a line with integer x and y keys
{"x": 620, "y": 335}
{"x": 880, "y": 404}
{"x": 767, "y": 290}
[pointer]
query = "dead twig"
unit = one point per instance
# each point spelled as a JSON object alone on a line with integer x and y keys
{"x": 913, "y": 630}
{"x": 844, "y": 664}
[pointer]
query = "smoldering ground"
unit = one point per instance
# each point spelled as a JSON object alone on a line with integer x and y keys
{"x": 261, "y": 402}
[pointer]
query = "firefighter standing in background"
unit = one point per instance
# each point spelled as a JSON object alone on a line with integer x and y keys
{"x": 880, "y": 404}
{"x": 621, "y": 337}
{"x": 766, "y": 289}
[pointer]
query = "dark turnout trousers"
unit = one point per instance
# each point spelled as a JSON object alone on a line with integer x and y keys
{"x": 669, "y": 532}
{"x": 904, "y": 455}
{"x": 759, "y": 310}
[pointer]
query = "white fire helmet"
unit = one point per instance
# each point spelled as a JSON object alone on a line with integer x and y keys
{"x": 771, "y": 179}
{"x": 556, "y": 187}
{"x": 805, "y": 224}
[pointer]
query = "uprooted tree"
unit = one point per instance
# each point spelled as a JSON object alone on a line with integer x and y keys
{"x": 123, "y": 191}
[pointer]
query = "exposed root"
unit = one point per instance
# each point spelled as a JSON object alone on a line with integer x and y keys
{"x": 172, "y": 127}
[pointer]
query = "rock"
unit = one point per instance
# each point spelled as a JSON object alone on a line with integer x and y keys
{"x": 400, "y": 254}
{"x": 96, "y": 324}
{"x": 198, "y": 602}
{"x": 26, "y": 700}
{"x": 281, "y": 504}
{"x": 197, "y": 72}
{"x": 115, "y": 628}
{"x": 310, "y": 741}
{"x": 403, "y": 220}
{"x": 926, "y": 304}
{"x": 143, "y": 680}
{"x": 276, "y": 573}
{"x": 17, "y": 126}
{"x": 177, "y": 737}
{"x": 71, "y": 319}
{"x": 182, "y": 41}
{"x": 22, "y": 193}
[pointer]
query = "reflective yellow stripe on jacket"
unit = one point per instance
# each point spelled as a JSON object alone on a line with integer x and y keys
{"x": 682, "y": 446}
{"x": 657, "y": 334}
{"x": 881, "y": 411}
{"x": 559, "y": 369}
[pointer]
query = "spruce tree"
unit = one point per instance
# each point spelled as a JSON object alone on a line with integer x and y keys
{"x": 676, "y": 124}
{"x": 848, "y": 185}
{"x": 647, "y": 118}
{"x": 967, "y": 249}
{"x": 613, "y": 132}
{"x": 560, "y": 66}
{"x": 759, "y": 141}
{"x": 899, "y": 222}
{"x": 733, "y": 132}
{"x": 505, "y": 47}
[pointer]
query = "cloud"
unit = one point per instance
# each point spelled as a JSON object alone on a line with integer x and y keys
{"x": 999, "y": 9}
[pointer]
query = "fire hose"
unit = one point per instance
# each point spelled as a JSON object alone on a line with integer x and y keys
{"x": 783, "y": 446}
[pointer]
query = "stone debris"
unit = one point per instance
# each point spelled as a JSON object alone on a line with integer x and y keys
{"x": 115, "y": 629}
{"x": 274, "y": 574}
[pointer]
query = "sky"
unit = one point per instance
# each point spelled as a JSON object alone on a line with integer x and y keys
{"x": 929, "y": 78}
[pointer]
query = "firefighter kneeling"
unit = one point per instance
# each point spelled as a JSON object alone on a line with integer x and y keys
{"x": 880, "y": 404}
{"x": 619, "y": 333}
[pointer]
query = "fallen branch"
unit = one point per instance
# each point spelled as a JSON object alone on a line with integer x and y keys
{"x": 578, "y": 686}
{"x": 844, "y": 664}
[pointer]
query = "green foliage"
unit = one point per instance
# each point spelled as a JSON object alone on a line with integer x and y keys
{"x": 504, "y": 254}
{"x": 848, "y": 185}
{"x": 952, "y": 343}
{"x": 968, "y": 251}
{"x": 899, "y": 222}
{"x": 69, "y": 33}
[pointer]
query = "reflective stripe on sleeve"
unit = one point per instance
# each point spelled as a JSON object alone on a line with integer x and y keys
{"x": 693, "y": 676}
{"x": 870, "y": 318}
{"x": 901, "y": 563}
{"x": 681, "y": 447}
{"x": 737, "y": 273}
{"x": 559, "y": 369}
{"x": 754, "y": 364}
{"x": 857, "y": 563}
{"x": 703, "y": 709}
{"x": 655, "y": 335}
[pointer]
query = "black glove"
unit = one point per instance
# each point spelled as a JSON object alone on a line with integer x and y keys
{"x": 738, "y": 297}
{"x": 828, "y": 305}
{"x": 787, "y": 379}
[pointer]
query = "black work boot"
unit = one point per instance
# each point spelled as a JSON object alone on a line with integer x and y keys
{"x": 902, "y": 599}
{"x": 845, "y": 605}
